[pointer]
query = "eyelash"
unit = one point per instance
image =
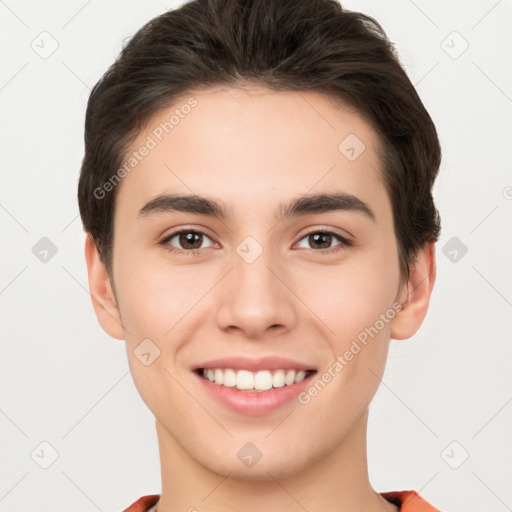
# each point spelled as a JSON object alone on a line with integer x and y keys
{"x": 344, "y": 242}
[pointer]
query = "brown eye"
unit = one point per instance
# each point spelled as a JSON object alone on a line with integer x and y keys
{"x": 190, "y": 240}
{"x": 321, "y": 241}
{"x": 186, "y": 241}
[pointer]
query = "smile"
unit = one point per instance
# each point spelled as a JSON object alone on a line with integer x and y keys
{"x": 256, "y": 381}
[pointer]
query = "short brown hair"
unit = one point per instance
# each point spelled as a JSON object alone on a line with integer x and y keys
{"x": 300, "y": 45}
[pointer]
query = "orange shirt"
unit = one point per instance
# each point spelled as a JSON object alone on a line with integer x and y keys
{"x": 407, "y": 501}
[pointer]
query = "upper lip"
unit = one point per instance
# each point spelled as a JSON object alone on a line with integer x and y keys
{"x": 255, "y": 364}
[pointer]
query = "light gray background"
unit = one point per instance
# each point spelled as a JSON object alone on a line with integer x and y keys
{"x": 446, "y": 393}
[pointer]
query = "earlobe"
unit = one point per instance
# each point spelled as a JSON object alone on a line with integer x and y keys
{"x": 415, "y": 295}
{"x": 103, "y": 298}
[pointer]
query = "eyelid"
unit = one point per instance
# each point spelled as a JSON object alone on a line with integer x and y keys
{"x": 178, "y": 229}
{"x": 345, "y": 235}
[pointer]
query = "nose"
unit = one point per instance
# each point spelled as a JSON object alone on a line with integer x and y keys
{"x": 254, "y": 298}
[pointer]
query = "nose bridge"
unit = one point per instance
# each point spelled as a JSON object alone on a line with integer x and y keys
{"x": 252, "y": 268}
{"x": 258, "y": 298}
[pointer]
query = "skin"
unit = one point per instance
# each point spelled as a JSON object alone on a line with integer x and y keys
{"x": 252, "y": 149}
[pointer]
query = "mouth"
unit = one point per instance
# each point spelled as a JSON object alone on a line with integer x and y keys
{"x": 254, "y": 381}
{"x": 253, "y": 386}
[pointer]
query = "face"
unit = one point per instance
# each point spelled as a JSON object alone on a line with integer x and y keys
{"x": 285, "y": 289}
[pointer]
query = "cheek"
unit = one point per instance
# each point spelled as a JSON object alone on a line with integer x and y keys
{"x": 153, "y": 297}
{"x": 351, "y": 298}
{"x": 356, "y": 302}
{"x": 358, "y": 308}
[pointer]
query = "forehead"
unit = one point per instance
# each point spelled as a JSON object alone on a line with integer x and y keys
{"x": 253, "y": 144}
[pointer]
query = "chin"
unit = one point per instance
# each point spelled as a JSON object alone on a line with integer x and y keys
{"x": 268, "y": 468}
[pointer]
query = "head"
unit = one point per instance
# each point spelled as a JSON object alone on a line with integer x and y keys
{"x": 255, "y": 105}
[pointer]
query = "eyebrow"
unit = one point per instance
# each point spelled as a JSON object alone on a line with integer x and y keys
{"x": 308, "y": 204}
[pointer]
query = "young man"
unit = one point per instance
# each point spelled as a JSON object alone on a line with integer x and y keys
{"x": 256, "y": 192}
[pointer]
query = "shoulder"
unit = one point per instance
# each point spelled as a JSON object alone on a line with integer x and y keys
{"x": 143, "y": 504}
{"x": 408, "y": 501}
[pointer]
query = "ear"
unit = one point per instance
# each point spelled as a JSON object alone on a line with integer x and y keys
{"x": 415, "y": 295}
{"x": 103, "y": 298}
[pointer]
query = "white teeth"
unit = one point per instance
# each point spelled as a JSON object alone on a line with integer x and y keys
{"x": 263, "y": 380}
{"x": 219, "y": 376}
{"x": 229, "y": 378}
{"x": 278, "y": 379}
{"x": 290, "y": 377}
{"x": 244, "y": 380}
{"x": 253, "y": 381}
{"x": 301, "y": 375}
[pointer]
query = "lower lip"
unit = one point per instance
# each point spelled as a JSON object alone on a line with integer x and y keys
{"x": 254, "y": 403}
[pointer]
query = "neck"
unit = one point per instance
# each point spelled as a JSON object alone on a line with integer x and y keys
{"x": 334, "y": 482}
